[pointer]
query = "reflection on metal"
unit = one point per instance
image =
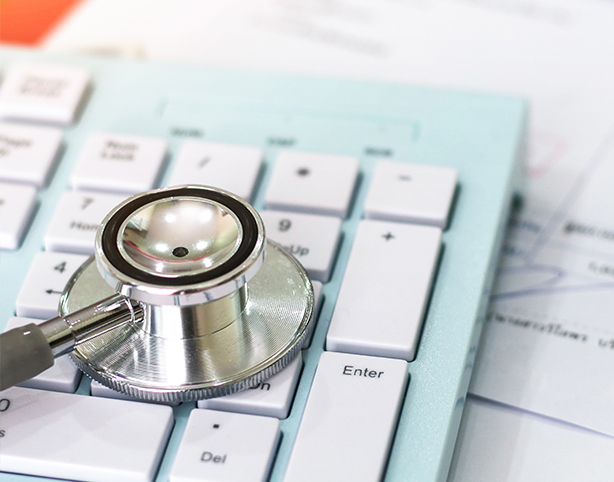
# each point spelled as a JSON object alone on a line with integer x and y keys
{"x": 217, "y": 317}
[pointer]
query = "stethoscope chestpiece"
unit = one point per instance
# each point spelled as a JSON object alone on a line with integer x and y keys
{"x": 218, "y": 316}
{"x": 183, "y": 246}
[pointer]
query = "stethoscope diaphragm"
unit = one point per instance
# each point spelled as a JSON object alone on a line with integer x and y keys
{"x": 223, "y": 307}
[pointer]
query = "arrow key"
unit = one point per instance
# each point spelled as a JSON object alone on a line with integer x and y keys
{"x": 44, "y": 283}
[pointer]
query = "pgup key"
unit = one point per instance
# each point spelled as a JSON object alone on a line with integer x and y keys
{"x": 310, "y": 238}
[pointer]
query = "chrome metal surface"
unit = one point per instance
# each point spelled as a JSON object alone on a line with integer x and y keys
{"x": 179, "y": 236}
{"x": 198, "y": 320}
{"x": 267, "y": 334}
{"x": 180, "y": 246}
{"x": 65, "y": 332}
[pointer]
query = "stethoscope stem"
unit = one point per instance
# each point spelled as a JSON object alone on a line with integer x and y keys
{"x": 64, "y": 333}
{"x": 29, "y": 350}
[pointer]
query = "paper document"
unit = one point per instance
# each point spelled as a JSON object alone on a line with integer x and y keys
{"x": 548, "y": 346}
{"x": 504, "y": 444}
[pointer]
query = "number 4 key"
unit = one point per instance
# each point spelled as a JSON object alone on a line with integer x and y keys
{"x": 44, "y": 283}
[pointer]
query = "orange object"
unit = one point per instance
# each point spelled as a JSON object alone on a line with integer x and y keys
{"x": 28, "y": 21}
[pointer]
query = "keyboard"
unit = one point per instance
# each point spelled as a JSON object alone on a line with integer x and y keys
{"x": 394, "y": 198}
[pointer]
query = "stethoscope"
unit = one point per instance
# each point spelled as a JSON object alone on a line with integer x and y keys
{"x": 184, "y": 299}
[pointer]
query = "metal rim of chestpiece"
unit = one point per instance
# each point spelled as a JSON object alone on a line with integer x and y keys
{"x": 219, "y": 315}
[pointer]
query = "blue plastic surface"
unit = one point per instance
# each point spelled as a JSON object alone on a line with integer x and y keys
{"x": 479, "y": 135}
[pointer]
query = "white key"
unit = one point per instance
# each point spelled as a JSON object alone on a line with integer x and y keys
{"x": 385, "y": 289}
{"x": 227, "y": 166}
{"x": 317, "y": 294}
{"x": 48, "y": 274}
{"x": 411, "y": 193}
{"x": 312, "y": 183}
{"x": 43, "y": 93}
{"x": 27, "y": 153}
{"x": 76, "y": 219}
{"x": 17, "y": 204}
{"x": 119, "y": 163}
{"x": 75, "y": 437}
{"x": 313, "y": 240}
{"x": 270, "y": 398}
{"x": 225, "y": 447}
{"x": 99, "y": 390}
{"x": 349, "y": 420}
{"x": 63, "y": 376}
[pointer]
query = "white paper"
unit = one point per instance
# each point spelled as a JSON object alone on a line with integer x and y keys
{"x": 503, "y": 444}
{"x": 558, "y": 275}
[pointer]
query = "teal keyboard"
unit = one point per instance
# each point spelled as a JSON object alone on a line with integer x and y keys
{"x": 78, "y": 134}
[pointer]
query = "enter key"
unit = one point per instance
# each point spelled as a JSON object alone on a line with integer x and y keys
{"x": 350, "y": 419}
